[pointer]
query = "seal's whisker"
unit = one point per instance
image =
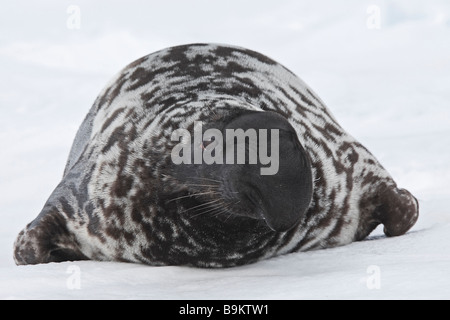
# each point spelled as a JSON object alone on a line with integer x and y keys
{"x": 222, "y": 211}
{"x": 209, "y": 209}
{"x": 202, "y": 205}
{"x": 202, "y": 185}
{"x": 229, "y": 216}
{"x": 221, "y": 208}
{"x": 202, "y": 178}
{"x": 230, "y": 213}
{"x": 193, "y": 195}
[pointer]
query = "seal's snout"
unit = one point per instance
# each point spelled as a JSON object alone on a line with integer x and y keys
{"x": 280, "y": 198}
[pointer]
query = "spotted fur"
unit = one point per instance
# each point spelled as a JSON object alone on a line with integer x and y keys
{"x": 118, "y": 199}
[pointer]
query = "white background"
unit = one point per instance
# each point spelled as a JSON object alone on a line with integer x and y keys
{"x": 386, "y": 80}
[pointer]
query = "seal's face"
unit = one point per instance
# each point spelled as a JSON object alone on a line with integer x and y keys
{"x": 249, "y": 165}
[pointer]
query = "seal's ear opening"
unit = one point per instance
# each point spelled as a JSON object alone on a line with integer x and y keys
{"x": 281, "y": 197}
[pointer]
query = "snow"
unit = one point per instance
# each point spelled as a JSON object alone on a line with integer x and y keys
{"x": 388, "y": 86}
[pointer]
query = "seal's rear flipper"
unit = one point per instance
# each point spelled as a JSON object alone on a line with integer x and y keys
{"x": 398, "y": 212}
{"x": 46, "y": 239}
{"x": 395, "y": 208}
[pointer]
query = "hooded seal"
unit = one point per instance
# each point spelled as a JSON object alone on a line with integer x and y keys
{"x": 126, "y": 196}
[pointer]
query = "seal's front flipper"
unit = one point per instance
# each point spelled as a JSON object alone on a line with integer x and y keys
{"x": 46, "y": 239}
{"x": 398, "y": 211}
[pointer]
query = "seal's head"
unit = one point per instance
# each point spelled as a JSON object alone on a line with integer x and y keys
{"x": 250, "y": 164}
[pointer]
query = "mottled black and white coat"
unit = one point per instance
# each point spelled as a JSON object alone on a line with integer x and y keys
{"x": 120, "y": 198}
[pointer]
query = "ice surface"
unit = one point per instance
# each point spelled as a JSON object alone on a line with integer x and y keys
{"x": 388, "y": 86}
